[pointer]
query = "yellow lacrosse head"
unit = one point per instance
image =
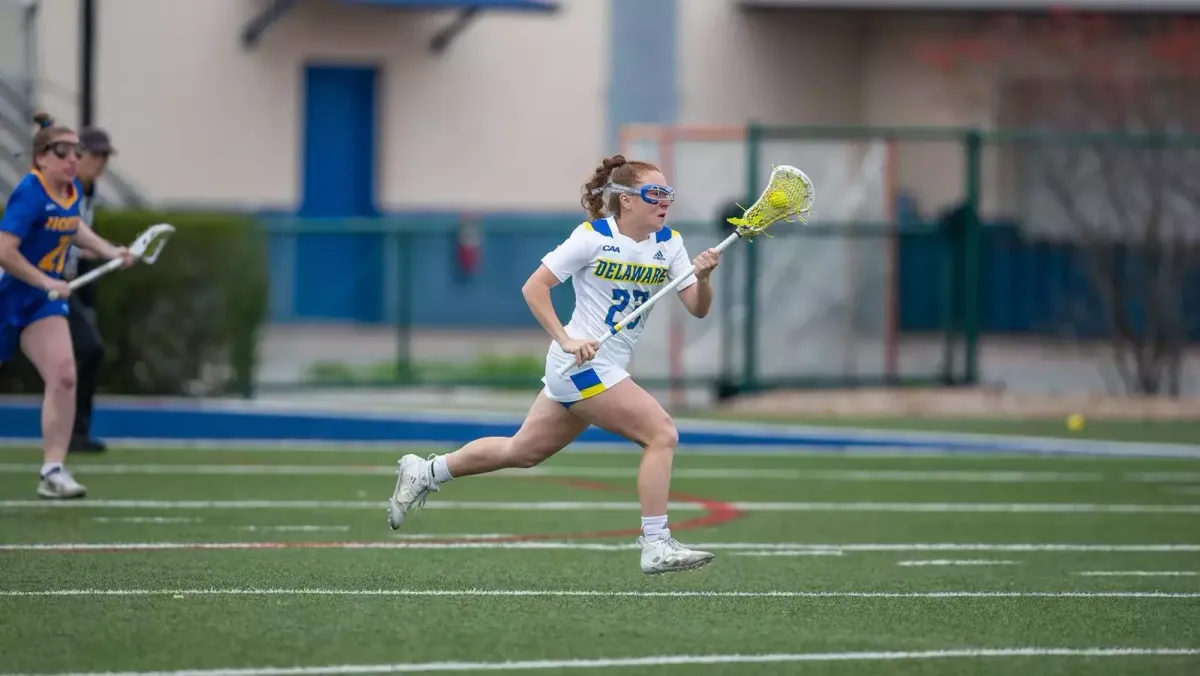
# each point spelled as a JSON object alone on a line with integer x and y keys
{"x": 788, "y": 196}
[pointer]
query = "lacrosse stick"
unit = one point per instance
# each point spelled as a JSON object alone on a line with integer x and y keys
{"x": 145, "y": 248}
{"x": 788, "y": 196}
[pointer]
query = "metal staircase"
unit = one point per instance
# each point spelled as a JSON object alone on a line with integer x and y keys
{"x": 18, "y": 93}
{"x": 16, "y": 131}
{"x": 14, "y": 141}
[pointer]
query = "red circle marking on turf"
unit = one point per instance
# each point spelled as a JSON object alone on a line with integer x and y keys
{"x": 716, "y": 513}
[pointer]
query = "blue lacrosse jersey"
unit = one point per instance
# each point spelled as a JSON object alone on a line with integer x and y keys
{"x": 46, "y": 225}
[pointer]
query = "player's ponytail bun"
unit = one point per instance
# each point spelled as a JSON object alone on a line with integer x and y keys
{"x": 47, "y": 132}
{"x": 615, "y": 169}
{"x": 593, "y": 195}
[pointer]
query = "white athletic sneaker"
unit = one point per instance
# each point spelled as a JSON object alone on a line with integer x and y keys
{"x": 668, "y": 556}
{"x": 60, "y": 485}
{"x": 413, "y": 483}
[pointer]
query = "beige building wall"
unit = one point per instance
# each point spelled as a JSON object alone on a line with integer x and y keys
{"x": 518, "y": 100}
{"x": 831, "y": 69}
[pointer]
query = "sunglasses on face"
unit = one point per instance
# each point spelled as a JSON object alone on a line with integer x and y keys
{"x": 63, "y": 149}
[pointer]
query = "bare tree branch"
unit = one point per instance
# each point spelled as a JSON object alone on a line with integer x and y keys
{"x": 1129, "y": 200}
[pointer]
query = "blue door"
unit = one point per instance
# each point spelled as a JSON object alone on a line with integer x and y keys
{"x": 339, "y": 276}
{"x": 339, "y": 141}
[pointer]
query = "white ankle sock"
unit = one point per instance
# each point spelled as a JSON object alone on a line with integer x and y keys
{"x": 655, "y": 527}
{"x": 441, "y": 473}
{"x": 50, "y": 467}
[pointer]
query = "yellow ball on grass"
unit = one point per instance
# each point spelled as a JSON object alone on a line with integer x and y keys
{"x": 1075, "y": 422}
{"x": 778, "y": 199}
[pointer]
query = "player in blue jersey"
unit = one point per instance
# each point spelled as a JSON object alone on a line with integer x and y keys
{"x": 40, "y": 224}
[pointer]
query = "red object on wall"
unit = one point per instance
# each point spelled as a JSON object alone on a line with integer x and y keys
{"x": 469, "y": 253}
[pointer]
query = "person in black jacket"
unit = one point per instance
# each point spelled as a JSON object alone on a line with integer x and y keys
{"x": 85, "y": 336}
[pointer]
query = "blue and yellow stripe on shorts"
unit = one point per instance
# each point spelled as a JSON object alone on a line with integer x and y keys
{"x": 588, "y": 383}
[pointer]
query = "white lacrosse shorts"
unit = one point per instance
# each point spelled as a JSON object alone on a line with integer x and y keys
{"x": 595, "y": 377}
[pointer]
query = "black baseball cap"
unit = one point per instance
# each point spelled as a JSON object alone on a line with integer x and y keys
{"x": 95, "y": 140}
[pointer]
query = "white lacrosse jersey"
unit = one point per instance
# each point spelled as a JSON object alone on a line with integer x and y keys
{"x": 613, "y": 275}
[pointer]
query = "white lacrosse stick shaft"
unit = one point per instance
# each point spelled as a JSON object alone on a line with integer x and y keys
{"x": 645, "y": 307}
{"x": 91, "y": 275}
{"x": 138, "y": 249}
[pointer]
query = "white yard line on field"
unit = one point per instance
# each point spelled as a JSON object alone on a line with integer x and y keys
{"x": 556, "y": 593}
{"x": 172, "y": 521}
{"x": 564, "y": 505}
{"x": 785, "y": 549}
{"x": 653, "y": 661}
{"x": 1138, "y": 573}
{"x": 730, "y": 473}
{"x": 453, "y": 536}
{"x": 843, "y": 442}
{"x": 302, "y": 528}
{"x": 146, "y": 519}
{"x": 394, "y": 449}
{"x": 957, "y": 562}
{"x": 1163, "y": 477}
{"x": 790, "y": 552}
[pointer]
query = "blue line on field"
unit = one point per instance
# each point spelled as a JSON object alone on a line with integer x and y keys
{"x": 230, "y": 424}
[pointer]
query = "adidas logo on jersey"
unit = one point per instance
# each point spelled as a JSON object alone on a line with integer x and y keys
{"x": 659, "y": 256}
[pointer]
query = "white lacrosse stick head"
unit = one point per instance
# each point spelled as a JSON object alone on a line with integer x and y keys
{"x": 150, "y": 243}
{"x": 787, "y": 197}
{"x": 808, "y": 193}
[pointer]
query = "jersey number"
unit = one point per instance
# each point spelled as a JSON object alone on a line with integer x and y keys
{"x": 621, "y": 301}
{"x": 57, "y": 258}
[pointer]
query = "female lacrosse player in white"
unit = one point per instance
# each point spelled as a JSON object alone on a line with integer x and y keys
{"x": 617, "y": 261}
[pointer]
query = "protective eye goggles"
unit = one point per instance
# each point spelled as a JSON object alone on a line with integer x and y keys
{"x": 63, "y": 149}
{"x": 650, "y": 193}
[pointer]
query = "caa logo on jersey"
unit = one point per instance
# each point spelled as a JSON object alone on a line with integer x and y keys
{"x": 610, "y": 247}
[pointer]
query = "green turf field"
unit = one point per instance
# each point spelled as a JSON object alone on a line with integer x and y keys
{"x": 227, "y": 563}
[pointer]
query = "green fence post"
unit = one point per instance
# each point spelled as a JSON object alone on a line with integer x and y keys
{"x": 405, "y": 372}
{"x": 750, "y": 330}
{"x": 948, "y": 233}
{"x": 972, "y": 255}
